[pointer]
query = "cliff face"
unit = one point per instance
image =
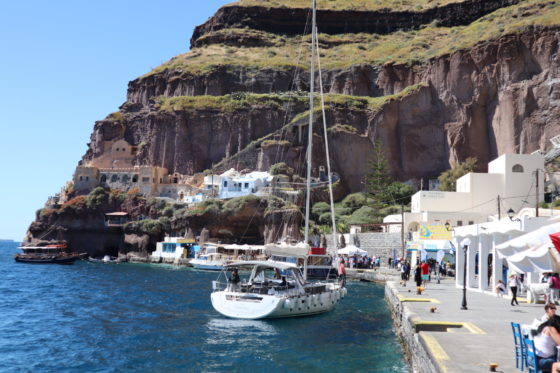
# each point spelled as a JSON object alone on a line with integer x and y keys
{"x": 436, "y": 85}
{"x": 481, "y": 95}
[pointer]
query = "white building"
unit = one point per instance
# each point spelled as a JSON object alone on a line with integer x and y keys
{"x": 173, "y": 248}
{"x": 511, "y": 183}
{"x": 484, "y": 268}
{"x": 233, "y": 184}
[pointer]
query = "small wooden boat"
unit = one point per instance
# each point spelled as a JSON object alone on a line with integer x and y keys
{"x": 50, "y": 254}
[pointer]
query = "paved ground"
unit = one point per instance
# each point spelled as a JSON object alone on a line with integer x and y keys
{"x": 485, "y": 338}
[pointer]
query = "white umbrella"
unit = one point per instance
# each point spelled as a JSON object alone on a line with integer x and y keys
{"x": 526, "y": 241}
{"x": 352, "y": 250}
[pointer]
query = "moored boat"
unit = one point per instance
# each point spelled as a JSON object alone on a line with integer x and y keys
{"x": 50, "y": 254}
{"x": 272, "y": 290}
{"x": 209, "y": 262}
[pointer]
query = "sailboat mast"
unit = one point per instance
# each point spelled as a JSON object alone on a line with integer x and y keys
{"x": 310, "y": 129}
{"x": 328, "y": 156}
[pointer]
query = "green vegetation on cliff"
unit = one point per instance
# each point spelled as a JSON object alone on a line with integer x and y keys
{"x": 343, "y": 51}
{"x": 357, "y": 5}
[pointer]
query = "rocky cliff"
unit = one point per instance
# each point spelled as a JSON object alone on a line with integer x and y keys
{"x": 473, "y": 78}
{"x": 435, "y": 82}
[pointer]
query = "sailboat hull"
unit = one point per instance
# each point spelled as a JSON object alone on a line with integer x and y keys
{"x": 264, "y": 306}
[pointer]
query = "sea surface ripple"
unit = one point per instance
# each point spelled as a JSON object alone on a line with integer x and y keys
{"x": 94, "y": 317}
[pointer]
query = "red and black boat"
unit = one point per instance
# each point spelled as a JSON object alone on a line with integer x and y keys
{"x": 49, "y": 254}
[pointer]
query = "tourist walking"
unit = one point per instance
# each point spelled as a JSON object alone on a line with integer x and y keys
{"x": 418, "y": 275}
{"x": 513, "y": 285}
{"x": 425, "y": 268}
{"x": 403, "y": 274}
{"x": 342, "y": 272}
{"x": 407, "y": 272}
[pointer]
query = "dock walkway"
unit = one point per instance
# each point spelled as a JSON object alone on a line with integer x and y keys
{"x": 452, "y": 339}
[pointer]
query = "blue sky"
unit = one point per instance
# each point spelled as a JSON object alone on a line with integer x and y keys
{"x": 64, "y": 65}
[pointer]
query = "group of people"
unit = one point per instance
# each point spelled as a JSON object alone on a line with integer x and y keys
{"x": 362, "y": 262}
{"x": 422, "y": 272}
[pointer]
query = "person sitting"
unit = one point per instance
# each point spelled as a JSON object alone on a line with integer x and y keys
{"x": 500, "y": 289}
{"x": 546, "y": 340}
{"x": 549, "y": 311}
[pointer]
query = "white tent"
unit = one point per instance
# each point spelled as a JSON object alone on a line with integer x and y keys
{"x": 284, "y": 249}
{"x": 352, "y": 250}
{"x": 530, "y": 240}
{"x": 543, "y": 258}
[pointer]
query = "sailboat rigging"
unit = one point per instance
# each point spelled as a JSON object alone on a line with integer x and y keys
{"x": 275, "y": 288}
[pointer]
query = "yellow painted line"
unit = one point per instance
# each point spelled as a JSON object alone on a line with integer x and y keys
{"x": 405, "y": 299}
{"x": 437, "y": 352}
{"x": 473, "y": 328}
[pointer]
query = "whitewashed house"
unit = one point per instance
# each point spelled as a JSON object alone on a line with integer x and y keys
{"x": 511, "y": 183}
{"x": 233, "y": 184}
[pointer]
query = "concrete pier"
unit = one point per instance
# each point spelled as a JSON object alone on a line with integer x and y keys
{"x": 450, "y": 339}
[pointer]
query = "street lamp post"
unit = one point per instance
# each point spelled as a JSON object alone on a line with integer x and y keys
{"x": 465, "y": 243}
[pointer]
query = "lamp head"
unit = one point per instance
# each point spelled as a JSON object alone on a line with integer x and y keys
{"x": 510, "y": 213}
{"x": 447, "y": 226}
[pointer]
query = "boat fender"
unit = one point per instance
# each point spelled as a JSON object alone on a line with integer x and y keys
{"x": 315, "y": 299}
{"x": 287, "y": 303}
{"x": 344, "y": 292}
{"x": 337, "y": 295}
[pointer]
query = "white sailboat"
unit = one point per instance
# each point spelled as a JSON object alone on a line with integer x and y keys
{"x": 278, "y": 288}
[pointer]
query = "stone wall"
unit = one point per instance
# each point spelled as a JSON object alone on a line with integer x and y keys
{"x": 383, "y": 245}
{"x": 404, "y": 321}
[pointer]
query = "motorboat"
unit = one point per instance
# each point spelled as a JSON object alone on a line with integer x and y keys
{"x": 270, "y": 289}
{"x": 209, "y": 262}
{"x": 49, "y": 254}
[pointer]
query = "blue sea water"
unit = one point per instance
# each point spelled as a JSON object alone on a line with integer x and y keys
{"x": 94, "y": 317}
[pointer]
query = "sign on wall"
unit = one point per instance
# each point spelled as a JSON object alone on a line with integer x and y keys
{"x": 435, "y": 232}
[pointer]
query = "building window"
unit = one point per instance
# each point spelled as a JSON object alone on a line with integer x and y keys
{"x": 103, "y": 179}
{"x": 168, "y": 247}
{"x": 225, "y": 184}
{"x": 459, "y": 223}
{"x": 87, "y": 178}
{"x": 246, "y": 185}
{"x": 81, "y": 178}
{"x": 471, "y": 222}
{"x": 125, "y": 178}
{"x": 135, "y": 178}
{"x": 145, "y": 179}
{"x": 517, "y": 168}
{"x": 114, "y": 178}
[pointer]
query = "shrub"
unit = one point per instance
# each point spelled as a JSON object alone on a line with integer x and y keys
{"x": 236, "y": 204}
{"x": 147, "y": 226}
{"x": 354, "y": 201}
{"x": 167, "y": 211}
{"x": 117, "y": 196}
{"x": 364, "y": 215}
{"x": 325, "y": 218}
{"x": 96, "y": 198}
{"x": 75, "y": 203}
{"x": 320, "y": 208}
{"x": 133, "y": 192}
{"x": 281, "y": 169}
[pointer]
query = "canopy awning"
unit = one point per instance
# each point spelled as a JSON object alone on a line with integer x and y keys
{"x": 352, "y": 250}
{"x": 284, "y": 249}
{"x": 436, "y": 245}
{"x": 542, "y": 258}
{"x": 529, "y": 240}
